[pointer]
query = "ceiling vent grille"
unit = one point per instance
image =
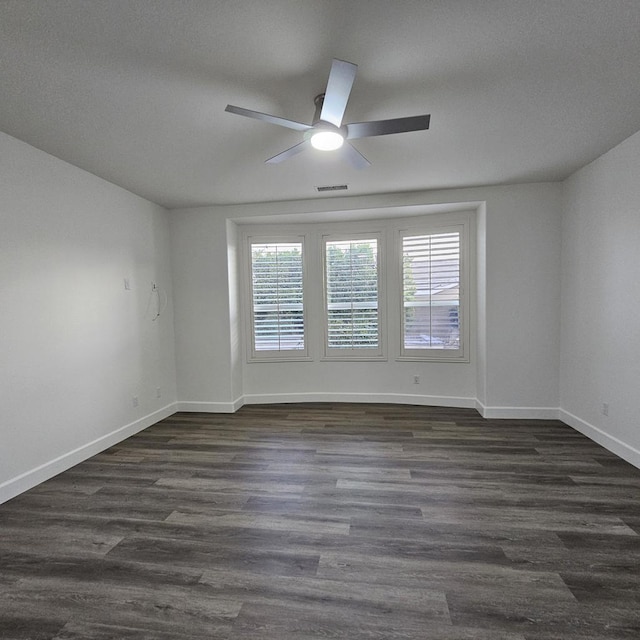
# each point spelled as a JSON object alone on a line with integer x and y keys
{"x": 333, "y": 187}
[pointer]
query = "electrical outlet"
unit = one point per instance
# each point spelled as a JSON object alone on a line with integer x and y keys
{"x": 416, "y": 379}
{"x": 605, "y": 408}
{"x": 134, "y": 401}
{"x": 158, "y": 392}
{"x": 127, "y": 284}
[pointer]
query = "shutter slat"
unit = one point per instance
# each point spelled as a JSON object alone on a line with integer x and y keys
{"x": 277, "y": 296}
{"x": 352, "y": 293}
{"x": 431, "y": 290}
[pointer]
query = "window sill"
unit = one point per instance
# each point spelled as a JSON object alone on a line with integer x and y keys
{"x": 432, "y": 358}
{"x": 353, "y": 358}
{"x": 272, "y": 359}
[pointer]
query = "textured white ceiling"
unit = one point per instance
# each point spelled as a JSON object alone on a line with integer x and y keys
{"x": 135, "y": 90}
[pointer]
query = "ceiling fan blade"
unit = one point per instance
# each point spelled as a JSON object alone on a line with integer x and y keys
{"x": 385, "y": 127}
{"x": 336, "y": 95}
{"x": 257, "y": 115}
{"x": 289, "y": 153}
{"x": 354, "y": 157}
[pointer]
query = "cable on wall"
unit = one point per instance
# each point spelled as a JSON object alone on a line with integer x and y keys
{"x": 160, "y": 299}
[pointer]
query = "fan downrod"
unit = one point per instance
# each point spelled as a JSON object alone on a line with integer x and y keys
{"x": 318, "y": 101}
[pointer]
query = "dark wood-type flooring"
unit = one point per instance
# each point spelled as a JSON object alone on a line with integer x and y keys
{"x": 329, "y": 521}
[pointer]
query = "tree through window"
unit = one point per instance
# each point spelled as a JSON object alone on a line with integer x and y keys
{"x": 351, "y": 294}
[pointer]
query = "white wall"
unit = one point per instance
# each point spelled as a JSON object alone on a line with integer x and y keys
{"x": 600, "y": 330}
{"x": 74, "y": 345}
{"x": 202, "y": 312}
{"x": 517, "y": 375}
{"x": 235, "y": 321}
{"x": 522, "y": 300}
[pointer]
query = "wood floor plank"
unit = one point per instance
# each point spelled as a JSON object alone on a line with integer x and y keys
{"x": 451, "y": 575}
{"x": 525, "y": 518}
{"x": 329, "y": 509}
{"x": 50, "y": 540}
{"x": 530, "y": 615}
{"x": 315, "y": 593}
{"x": 260, "y": 521}
{"x": 102, "y": 631}
{"x": 300, "y": 623}
{"x": 28, "y": 627}
{"x": 326, "y": 520}
{"x": 200, "y": 554}
{"x": 160, "y": 607}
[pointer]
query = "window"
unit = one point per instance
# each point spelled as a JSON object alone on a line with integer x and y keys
{"x": 325, "y": 290}
{"x": 277, "y": 298}
{"x": 352, "y": 294}
{"x": 432, "y": 293}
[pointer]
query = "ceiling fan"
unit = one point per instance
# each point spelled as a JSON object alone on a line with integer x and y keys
{"x": 327, "y": 131}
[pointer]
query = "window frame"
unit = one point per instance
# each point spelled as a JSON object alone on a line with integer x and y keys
{"x": 461, "y": 226}
{"x": 359, "y": 353}
{"x": 279, "y": 355}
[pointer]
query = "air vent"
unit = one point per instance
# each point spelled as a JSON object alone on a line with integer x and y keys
{"x": 333, "y": 187}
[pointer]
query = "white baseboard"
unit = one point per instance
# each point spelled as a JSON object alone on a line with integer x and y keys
{"x": 518, "y": 413}
{"x": 625, "y": 451}
{"x": 532, "y": 413}
{"x": 30, "y": 479}
{"x": 391, "y": 398}
{"x": 193, "y": 406}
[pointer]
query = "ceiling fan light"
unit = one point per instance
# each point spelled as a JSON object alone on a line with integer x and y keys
{"x": 326, "y": 140}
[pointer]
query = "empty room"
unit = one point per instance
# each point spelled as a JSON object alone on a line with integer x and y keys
{"x": 319, "y": 319}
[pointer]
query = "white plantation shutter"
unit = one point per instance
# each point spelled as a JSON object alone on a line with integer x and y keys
{"x": 431, "y": 278}
{"x": 277, "y": 296}
{"x": 351, "y": 296}
{"x": 319, "y": 291}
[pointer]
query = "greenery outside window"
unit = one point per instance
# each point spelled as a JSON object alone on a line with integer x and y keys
{"x": 352, "y": 297}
